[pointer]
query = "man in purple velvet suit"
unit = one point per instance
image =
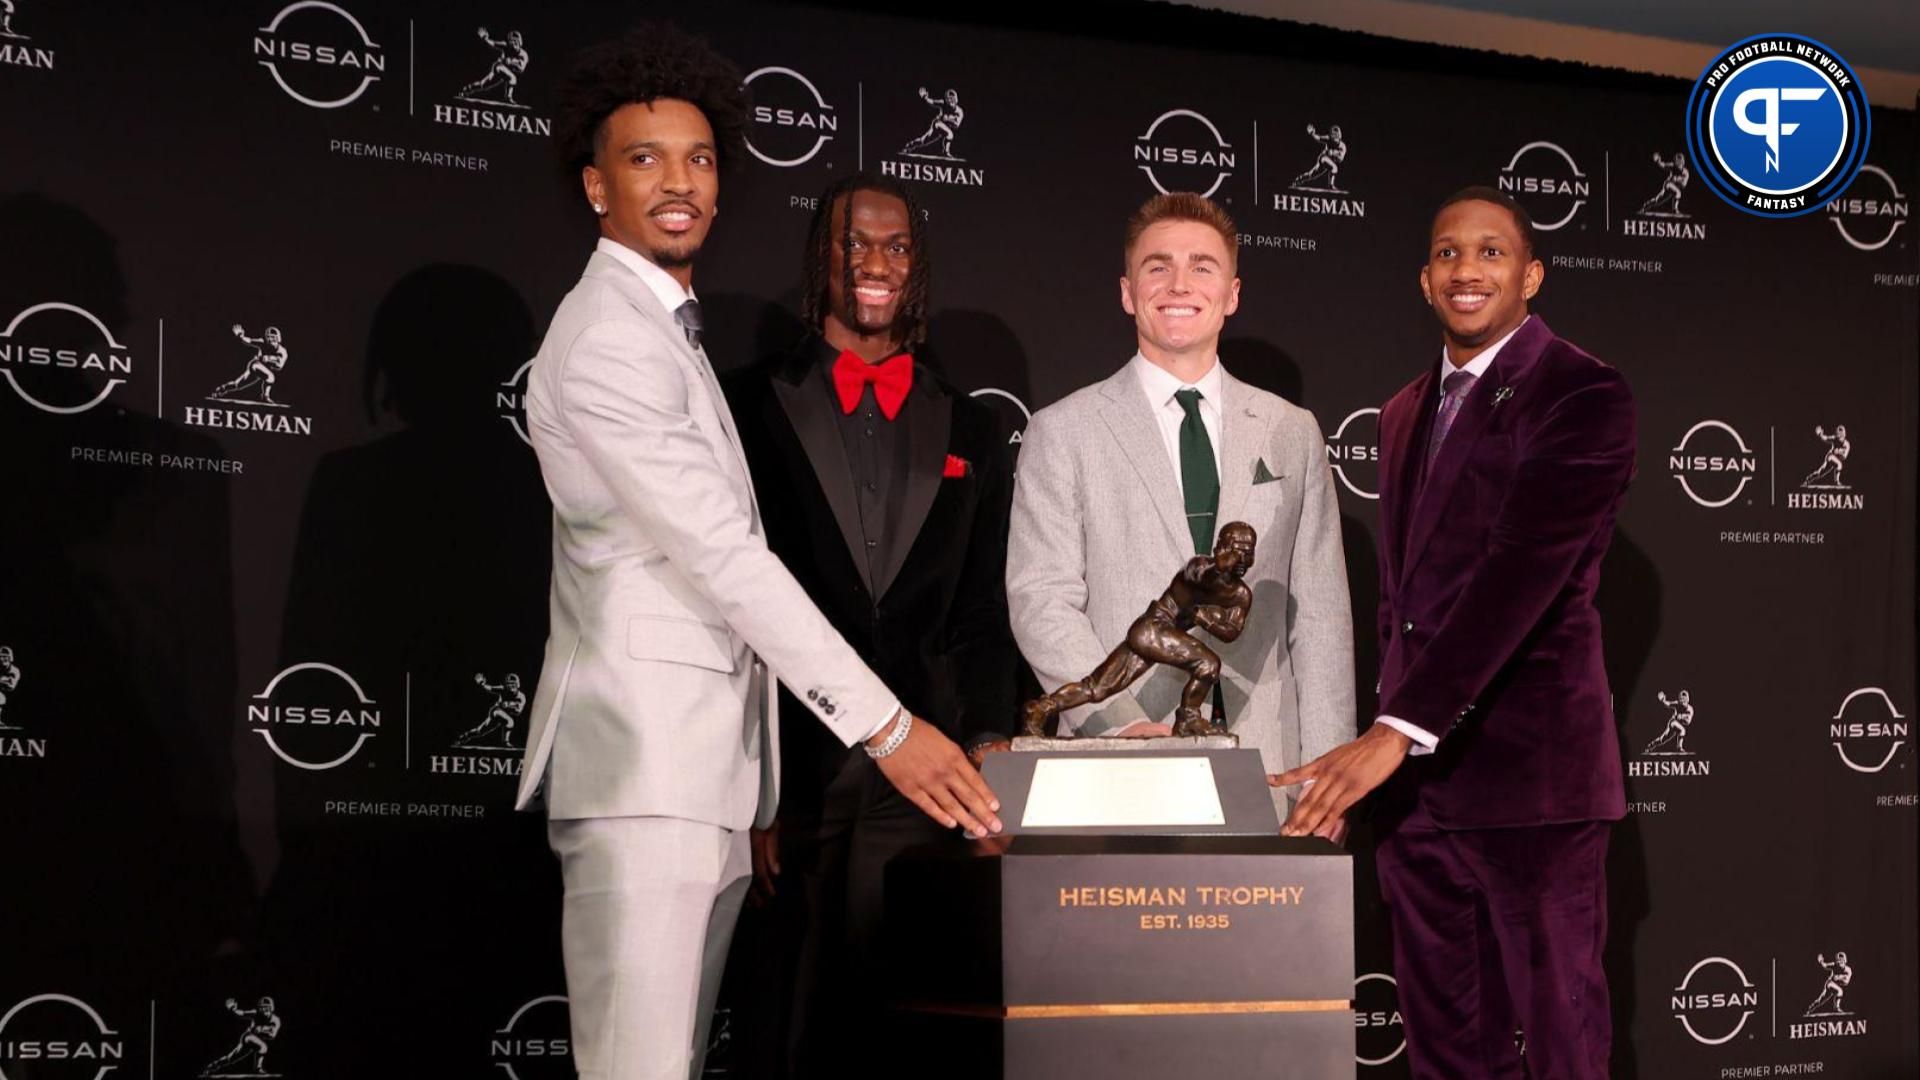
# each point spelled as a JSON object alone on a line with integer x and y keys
{"x": 1503, "y": 467}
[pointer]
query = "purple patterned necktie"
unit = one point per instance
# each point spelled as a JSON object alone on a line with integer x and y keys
{"x": 1457, "y": 385}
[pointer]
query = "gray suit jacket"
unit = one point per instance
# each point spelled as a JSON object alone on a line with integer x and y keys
{"x": 667, "y": 608}
{"x": 1099, "y": 530}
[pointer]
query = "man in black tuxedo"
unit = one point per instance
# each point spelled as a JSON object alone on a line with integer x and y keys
{"x": 886, "y": 492}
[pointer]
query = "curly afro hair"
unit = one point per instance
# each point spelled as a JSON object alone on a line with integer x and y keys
{"x": 647, "y": 63}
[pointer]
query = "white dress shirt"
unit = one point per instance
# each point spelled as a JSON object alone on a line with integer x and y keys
{"x": 1423, "y": 740}
{"x": 671, "y": 296}
{"x": 1160, "y": 385}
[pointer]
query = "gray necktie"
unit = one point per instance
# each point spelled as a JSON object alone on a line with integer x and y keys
{"x": 1457, "y": 386}
{"x": 688, "y": 316}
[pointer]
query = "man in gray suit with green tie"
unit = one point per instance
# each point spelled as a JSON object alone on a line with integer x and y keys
{"x": 1124, "y": 481}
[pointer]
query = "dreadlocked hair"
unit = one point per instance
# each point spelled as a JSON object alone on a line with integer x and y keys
{"x": 816, "y": 302}
{"x": 649, "y": 62}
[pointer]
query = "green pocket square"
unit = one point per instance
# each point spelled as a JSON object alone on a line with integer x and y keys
{"x": 1260, "y": 473}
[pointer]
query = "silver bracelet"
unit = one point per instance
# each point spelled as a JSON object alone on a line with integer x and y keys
{"x": 894, "y": 740}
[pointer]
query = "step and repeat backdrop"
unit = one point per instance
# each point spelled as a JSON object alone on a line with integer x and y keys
{"x": 273, "y": 547}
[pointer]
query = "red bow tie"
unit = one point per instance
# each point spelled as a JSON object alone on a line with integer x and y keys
{"x": 891, "y": 380}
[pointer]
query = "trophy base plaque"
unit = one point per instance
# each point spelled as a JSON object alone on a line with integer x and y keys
{"x": 1173, "y": 786}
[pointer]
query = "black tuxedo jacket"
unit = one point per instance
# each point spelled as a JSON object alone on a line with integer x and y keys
{"x": 934, "y": 626}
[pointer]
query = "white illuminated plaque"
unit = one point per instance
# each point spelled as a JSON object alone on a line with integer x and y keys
{"x": 1111, "y": 792}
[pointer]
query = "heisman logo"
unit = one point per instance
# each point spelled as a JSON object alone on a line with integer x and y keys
{"x": 247, "y": 1060}
{"x": 1322, "y": 179}
{"x": 1829, "y": 1013}
{"x": 19, "y": 55}
{"x": 1380, "y": 1035}
{"x": 1870, "y": 215}
{"x": 1668, "y": 750}
{"x": 493, "y": 734}
{"x": 498, "y": 88}
{"x": 1706, "y": 466}
{"x": 56, "y": 341}
{"x": 534, "y": 1042}
{"x": 1188, "y": 148}
{"x": 304, "y": 704}
{"x": 1660, "y": 215}
{"x": 1353, "y": 453}
{"x": 252, "y": 388}
{"x": 1824, "y": 489}
{"x": 1777, "y": 125}
{"x": 932, "y": 150}
{"x": 791, "y": 121}
{"x": 1856, "y": 734}
{"x": 49, "y": 1028}
{"x": 1714, "y": 1001}
{"x": 1550, "y": 180}
{"x": 325, "y": 49}
{"x": 14, "y": 746}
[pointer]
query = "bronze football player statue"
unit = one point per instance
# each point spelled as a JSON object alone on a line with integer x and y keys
{"x": 1209, "y": 593}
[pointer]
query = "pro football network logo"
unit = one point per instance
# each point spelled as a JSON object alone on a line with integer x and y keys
{"x": 1353, "y": 453}
{"x": 314, "y": 716}
{"x": 14, "y": 50}
{"x": 247, "y": 1059}
{"x": 1870, "y": 214}
{"x": 932, "y": 156}
{"x": 488, "y": 747}
{"x": 1714, "y": 1001}
{"x": 1668, "y": 753}
{"x": 1829, "y": 1015}
{"x": 253, "y": 388}
{"x": 510, "y": 400}
{"x": 1182, "y": 150}
{"x": 792, "y": 122}
{"x": 60, "y": 1037}
{"x": 1545, "y": 179}
{"x": 534, "y": 1043}
{"x": 319, "y": 54}
{"x": 1778, "y": 125}
{"x": 1826, "y": 488}
{"x": 1868, "y": 731}
{"x": 1660, "y": 215}
{"x": 1318, "y": 190}
{"x": 45, "y": 346}
{"x": 496, "y": 92}
{"x": 1713, "y": 463}
{"x": 1380, "y": 1035}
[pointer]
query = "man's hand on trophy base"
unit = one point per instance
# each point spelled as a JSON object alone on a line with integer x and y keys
{"x": 932, "y": 772}
{"x": 1142, "y": 729}
{"x": 1341, "y": 777}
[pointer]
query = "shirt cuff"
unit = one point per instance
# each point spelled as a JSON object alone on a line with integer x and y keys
{"x": 885, "y": 719}
{"x": 1423, "y": 740}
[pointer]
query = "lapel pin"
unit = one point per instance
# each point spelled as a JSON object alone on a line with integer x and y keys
{"x": 1501, "y": 395}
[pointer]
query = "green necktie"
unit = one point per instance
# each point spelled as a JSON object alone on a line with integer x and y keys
{"x": 1199, "y": 478}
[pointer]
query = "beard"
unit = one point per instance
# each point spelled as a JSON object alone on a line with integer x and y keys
{"x": 668, "y": 258}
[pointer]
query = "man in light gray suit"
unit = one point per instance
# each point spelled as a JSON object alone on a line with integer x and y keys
{"x": 1120, "y": 483}
{"x": 653, "y": 735}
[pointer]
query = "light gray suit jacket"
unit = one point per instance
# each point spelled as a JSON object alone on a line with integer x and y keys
{"x": 1099, "y": 530}
{"x": 667, "y": 608}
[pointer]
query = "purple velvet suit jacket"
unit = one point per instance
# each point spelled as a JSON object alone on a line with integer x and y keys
{"x": 1488, "y": 568}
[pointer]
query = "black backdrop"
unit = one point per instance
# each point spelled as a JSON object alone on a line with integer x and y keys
{"x": 247, "y": 636}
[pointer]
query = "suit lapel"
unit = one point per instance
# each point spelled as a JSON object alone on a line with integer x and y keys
{"x": 1515, "y": 359}
{"x": 930, "y": 416}
{"x": 809, "y": 411}
{"x": 1130, "y": 419}
{"x": 693, "y": 360}
{"x": 1245, "y": 425}
{"x": 1401, "y": 429}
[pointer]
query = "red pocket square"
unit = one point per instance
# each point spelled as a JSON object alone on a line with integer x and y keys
{"x": 956, "y": 468}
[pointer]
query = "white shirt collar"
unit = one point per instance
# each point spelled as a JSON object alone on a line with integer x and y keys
{"x": 1477, "y": 366}
{"x": 1159, "y": 384}
{"x": 658, "y": 281}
